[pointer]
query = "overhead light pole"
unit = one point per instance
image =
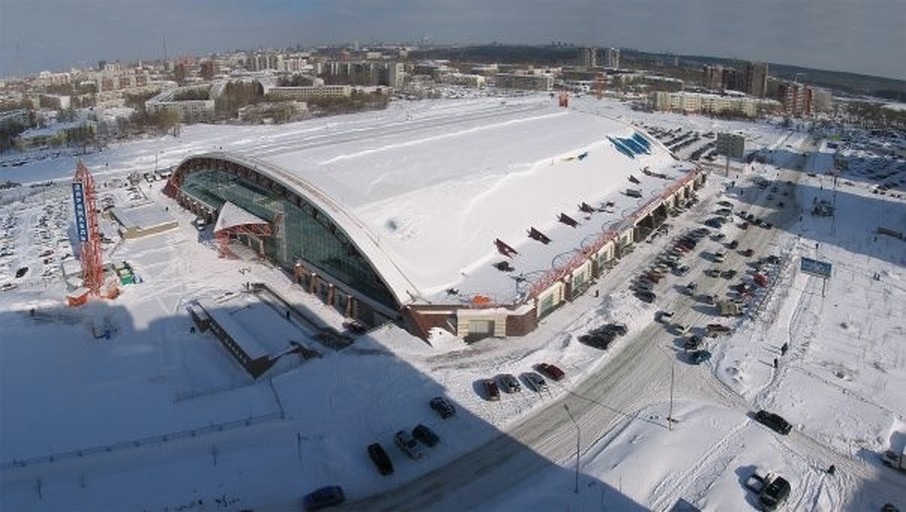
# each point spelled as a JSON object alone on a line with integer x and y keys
{"x": 578, "y": 435}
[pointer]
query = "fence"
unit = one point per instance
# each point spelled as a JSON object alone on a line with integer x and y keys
{"x": 138, "y": 443}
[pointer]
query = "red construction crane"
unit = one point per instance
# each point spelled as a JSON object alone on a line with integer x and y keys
{"x": 86, "y": 218}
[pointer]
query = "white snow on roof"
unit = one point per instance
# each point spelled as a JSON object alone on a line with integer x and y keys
{"x": 142, "y": 217}
{"x": 426, "y": 196}
{"x": 231, "y": 215}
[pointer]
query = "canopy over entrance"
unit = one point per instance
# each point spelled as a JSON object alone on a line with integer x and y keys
{"x": 233, "y": 221}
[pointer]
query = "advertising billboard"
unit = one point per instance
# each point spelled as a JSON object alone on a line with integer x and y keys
{"x": 815, "y": 267}
{"x": 81, "y": 216}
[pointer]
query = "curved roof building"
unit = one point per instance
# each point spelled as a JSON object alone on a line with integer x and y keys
{"x": 475, "y": 205}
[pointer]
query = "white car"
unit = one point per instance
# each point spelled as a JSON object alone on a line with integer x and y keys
{"x": 664, "y": 316}
{"x": 681, "y": 329}
{"x": 719, "y": 257}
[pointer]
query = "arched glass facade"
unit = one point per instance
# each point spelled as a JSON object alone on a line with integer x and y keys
{"x": 303, "y": 232}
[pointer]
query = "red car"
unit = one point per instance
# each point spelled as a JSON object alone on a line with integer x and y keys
{"x": 550, "y": 371}
{"x": 744, "y": 225}
{"x": 715, "y": 330}
{"x": 492, "y": 392}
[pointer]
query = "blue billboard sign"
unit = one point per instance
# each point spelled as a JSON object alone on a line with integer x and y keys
{"x": 81, "y": 217}
{"x": 815, "y": 267}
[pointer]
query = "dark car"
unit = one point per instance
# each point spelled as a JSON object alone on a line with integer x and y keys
{"x": 614, "y": 329}
{"x": 774, "y": 422}
{"x": 645, "y": 296}
{"x": 728, "y": 274}
{"x": 324, "y": 497}
{"x": 693, "y": 342}
{"x": 380, "y": 458}
{"x": 551, "y": 371}
{"x": 597, "y": 340}
{"x": 733, "y": 244}
{"x": 492, "y": 392}
{"x": 425, "y": 435}
{"x": 509, "y": 383}
{"x": 774, "y": 494}
{"x": 443, "y": 407}
{"x": 699, "y": 356}
{"x": 535, "y": 381}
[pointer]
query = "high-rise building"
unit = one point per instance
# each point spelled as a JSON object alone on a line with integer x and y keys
{"x": 722, "y": 78}
{"x": 797, "y": 99}
{"x": 588, "y": 57}
{"x": 712, "y": 77}
{"x": 209, "y": 68}
{"x": 756, "y": 79}
{"x": 611, "y": 58}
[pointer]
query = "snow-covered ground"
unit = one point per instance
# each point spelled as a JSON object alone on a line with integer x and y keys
{"x": 160, "y": 418}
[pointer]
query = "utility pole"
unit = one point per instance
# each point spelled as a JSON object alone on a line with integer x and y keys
{"x": 670, "y": 412}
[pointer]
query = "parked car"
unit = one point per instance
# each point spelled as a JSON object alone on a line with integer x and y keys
{"x": 425, "y": 435}
{"x": 408, "y": 445}
{"x": 719, "y": 257}
{"x": 510, "y": 383}
{"x": 773, "y": 421}
{"x": 689, "y": 289}
{"x": 597, "y": 340}
{"x": 380, "y": 458}
{"x": 646, "y": 296}
{"x": 683, "y": 270}
{"x": 715, "y": 330}
{"x": 774, "y": 494}
{"x": 680, "y": 329}
{"x": 699, "y": 356}
{"x": 728, "y": 274}
{"x": 535, "y": 381}
{"x": 693, "y": 342}
{"x": 733, "y": 244}
{"x": 712, "y": 272}
{"x": 443, "y": 407}
{"x": 323, "y": 498}
{"x": 748, "y": 252}
{"x": 664, "y": 316}
{"x": 551, "y": 371}
{"x": 491, "y": 391}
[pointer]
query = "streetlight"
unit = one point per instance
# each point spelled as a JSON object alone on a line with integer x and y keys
{"x": 578, "y": 435}
{"x": 670, "y": 412}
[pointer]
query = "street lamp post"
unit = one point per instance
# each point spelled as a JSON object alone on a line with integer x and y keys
{"x": 670, "y": 413}
{"x": 578, "y": 435}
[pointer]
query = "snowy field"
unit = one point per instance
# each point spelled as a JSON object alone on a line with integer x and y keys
{"x": 161, "y": 418}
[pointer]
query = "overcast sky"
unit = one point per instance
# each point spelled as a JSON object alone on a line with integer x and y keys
{"x": 861, "y": 36}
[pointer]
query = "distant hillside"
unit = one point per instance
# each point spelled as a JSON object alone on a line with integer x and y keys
{"x": 683, "y": 66}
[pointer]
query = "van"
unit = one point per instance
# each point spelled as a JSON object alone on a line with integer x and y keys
{"x": 200, "y": 223}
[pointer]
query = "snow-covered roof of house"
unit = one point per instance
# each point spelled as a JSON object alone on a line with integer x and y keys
{"x": 425, "y": 193}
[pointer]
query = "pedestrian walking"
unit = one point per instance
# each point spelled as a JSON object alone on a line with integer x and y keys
{"x": 775, "y": 362}
{"x": 784, "y": 348}
{"x": 831, "y": 470}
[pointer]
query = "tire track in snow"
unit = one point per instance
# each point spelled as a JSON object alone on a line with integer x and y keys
{"x": 669, "y": 490}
